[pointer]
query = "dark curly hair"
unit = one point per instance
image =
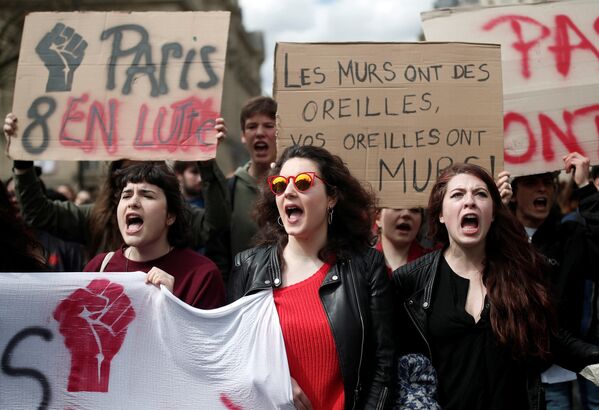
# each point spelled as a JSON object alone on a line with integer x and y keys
{"x": 522, "y": 315}
{"x": 157, "y": 173}
{"x": 351, "y": 228}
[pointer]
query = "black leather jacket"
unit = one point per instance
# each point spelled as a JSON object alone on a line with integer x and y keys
{"x": 415, "y": 281}
{"x": 357, "y": 297}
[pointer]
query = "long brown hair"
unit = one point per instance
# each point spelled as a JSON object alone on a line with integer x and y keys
{"x": 522, "y": 316}
{"x": 351, "y": 227}
{"x": 103, "y": 226}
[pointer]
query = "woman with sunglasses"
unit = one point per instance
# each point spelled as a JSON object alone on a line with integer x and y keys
{"x": 331, "y": 290}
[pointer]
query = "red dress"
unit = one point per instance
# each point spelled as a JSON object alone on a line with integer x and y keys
{"x": 311, "y": 351}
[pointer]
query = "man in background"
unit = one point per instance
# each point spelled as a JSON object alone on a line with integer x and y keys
{"x": 258, "y": 133}
{"x": 190, "y": 181}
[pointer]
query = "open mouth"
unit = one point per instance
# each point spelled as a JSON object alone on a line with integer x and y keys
{"x": 293, "y": 213}
{"x": 404, "y": 227}
{"x": 470, "y": 223}
{"x": 134, "y": 223}
{"x": 540, "y": 203}
{"x": 261, "y": 147}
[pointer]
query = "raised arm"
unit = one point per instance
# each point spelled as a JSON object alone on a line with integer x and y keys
{"x": 65, "y": 220}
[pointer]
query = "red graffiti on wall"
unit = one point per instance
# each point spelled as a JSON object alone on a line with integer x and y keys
{"x": 93, "y": 321}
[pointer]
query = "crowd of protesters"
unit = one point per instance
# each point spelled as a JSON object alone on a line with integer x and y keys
{"x": 495, "y": 307}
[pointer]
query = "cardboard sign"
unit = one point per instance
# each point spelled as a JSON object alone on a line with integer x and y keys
{"x": 550, "y": 56}
{"x": 111, "y": 341}
{"x": 119, "y": 85}
{"x": 397, "y": 114}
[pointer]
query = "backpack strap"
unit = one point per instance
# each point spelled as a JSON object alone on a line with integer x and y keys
{"x": 106, "y": 260}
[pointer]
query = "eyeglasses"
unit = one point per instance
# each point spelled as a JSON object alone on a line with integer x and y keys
{"x": 303, "y": 181}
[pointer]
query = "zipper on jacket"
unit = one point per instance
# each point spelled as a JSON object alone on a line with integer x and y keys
{"x": 382, "y": 399}
{"x": 415, "y": 322}
{"x": 353, "y": 281}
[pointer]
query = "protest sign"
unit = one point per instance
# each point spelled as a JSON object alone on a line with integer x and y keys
{"x": 111, "y": 341}
{"x": 109, "y": 85}
{"x": 396, "y": 113}
{"x": 550, "y": 57}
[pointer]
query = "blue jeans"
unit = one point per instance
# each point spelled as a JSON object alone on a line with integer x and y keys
{"x": 589, "y": 394}
{"x": 558, "y": 396}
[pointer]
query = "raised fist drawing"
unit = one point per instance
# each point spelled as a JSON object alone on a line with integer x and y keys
{"x": 61, "y": 50}
{"x": 93, "y": 321}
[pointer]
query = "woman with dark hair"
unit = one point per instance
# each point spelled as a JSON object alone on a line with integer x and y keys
{"x": 153, "y": 220}
{"x": 92, "y": 224}
{"x": 479, "y": 307}
{"x": 330, "y": 288}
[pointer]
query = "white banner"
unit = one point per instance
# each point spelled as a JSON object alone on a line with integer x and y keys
{"x": 110, "y": 341}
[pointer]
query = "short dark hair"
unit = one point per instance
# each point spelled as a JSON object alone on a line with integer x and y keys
{"x": 351, "y": 228}
{"x": 180, "y": 166}
{"x": 595, "y": 172}
{"x": 258, "y": 105}
{"x": 157, "y": 173}
{"x": 103, "y": 226}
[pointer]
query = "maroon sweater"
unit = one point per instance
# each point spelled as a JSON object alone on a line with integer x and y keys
{"x": 197, "y": 279}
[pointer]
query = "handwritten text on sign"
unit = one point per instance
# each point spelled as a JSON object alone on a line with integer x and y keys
{"x": 397, "y": 114}
{"x": 120, "y": 85}
{"x": 550, "y": 55}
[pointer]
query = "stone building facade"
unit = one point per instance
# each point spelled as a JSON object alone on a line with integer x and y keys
{"x": 245, "y": 54}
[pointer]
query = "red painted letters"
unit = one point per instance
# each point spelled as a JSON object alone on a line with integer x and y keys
{"x": 563, "y": 45}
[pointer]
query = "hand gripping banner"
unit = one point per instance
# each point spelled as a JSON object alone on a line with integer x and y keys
{"x": 107, "y": 341}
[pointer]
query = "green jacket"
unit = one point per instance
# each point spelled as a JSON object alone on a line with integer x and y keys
{"x": 243, "y": 197}
{"x": 71, "y": 222}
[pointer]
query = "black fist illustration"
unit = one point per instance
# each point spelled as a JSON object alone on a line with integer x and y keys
{"x": 61, "y": 50}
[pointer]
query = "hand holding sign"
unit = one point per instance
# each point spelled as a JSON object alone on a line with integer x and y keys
{"x": 504, "y": 186}
{"x": 579, "y": 165}
{"x": 62, "y": 51}
{"x": 94, "y": 323}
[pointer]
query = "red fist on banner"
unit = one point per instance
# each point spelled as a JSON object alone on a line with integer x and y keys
{"x": 94, "y": 322}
